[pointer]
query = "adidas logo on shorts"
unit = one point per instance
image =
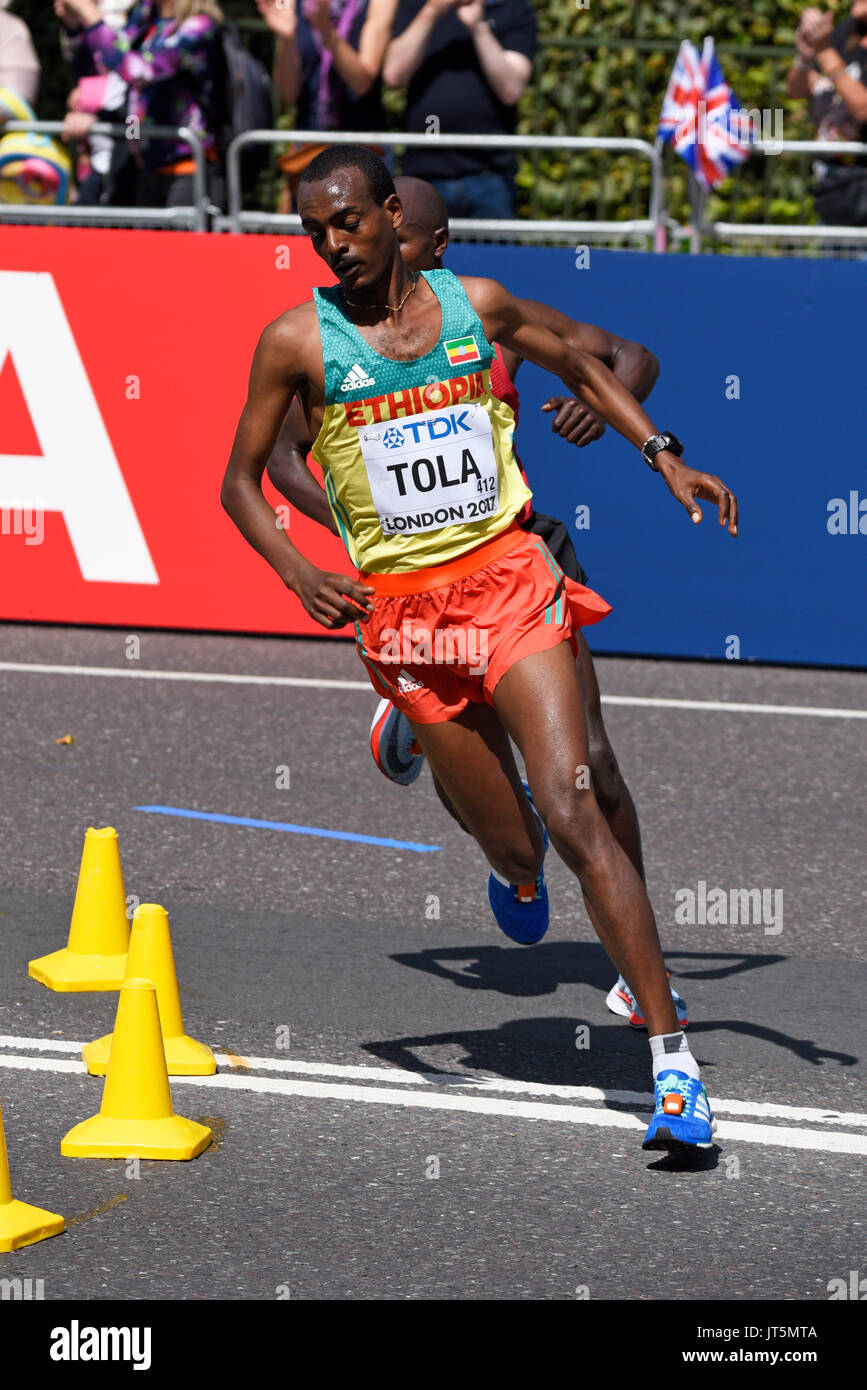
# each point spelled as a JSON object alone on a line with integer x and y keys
{"x": 355, "y": 378}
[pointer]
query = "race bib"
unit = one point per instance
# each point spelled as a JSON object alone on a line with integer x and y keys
{"x": 431, "y": 470}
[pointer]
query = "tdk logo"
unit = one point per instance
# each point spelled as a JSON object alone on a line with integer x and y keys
{"x": 438, "y": 427}
{"x": 393, "y": 438}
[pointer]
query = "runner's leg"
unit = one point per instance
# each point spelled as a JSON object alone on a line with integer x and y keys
{"x": 612, "y": 793}
{"x": 472, "y": 761}
{"x": 440, "y": 791}
{"x": 610, "y": 790}
{"x": 539, "y": 700}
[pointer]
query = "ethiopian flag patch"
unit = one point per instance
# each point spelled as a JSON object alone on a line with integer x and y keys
{"x": 461, "y": 350}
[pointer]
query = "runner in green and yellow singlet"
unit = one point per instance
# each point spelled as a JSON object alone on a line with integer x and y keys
{"x": 461, "y": 617}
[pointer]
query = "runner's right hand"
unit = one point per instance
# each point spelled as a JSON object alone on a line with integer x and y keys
{"x": 332, "y": 599}
{"x": 575, "y": 422}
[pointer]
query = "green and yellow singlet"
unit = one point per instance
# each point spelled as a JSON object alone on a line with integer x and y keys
{"x": 417, "y": 456}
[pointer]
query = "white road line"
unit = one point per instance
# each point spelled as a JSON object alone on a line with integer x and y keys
{"x": 769, "y": 1110}
{"x": 774, "y": 1136}
{"x": 735, "y": 707}
{"x": 214, "y": 677}
{"x": 40, "y": 1064}
{"x": 40, "y": 1044}
{"x": 309, "y": 683}
{"x": 449, "y": 1083}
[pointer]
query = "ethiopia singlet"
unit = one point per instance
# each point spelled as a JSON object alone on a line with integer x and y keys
{"x": 416, "y": 456}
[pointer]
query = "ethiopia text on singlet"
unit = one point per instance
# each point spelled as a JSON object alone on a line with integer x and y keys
{"x": 417, "y": 456}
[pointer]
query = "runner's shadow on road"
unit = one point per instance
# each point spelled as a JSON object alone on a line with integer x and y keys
{"x": 521, "y": 972}
{"x": 541, "y": 1050}
{"x": 702, "y": 1161}
{"x": 805, "y": 1048}
{"x": 542, "y": 969}
{"x": 734, "y": 963}
{"x": 537, "y": 970}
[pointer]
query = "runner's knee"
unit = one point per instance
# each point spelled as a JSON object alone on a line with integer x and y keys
{"x": 577, "y": 828}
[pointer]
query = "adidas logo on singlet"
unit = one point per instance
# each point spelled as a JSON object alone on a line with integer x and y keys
{"x": 355, "y": 378}
{"x": 407, "y": 683}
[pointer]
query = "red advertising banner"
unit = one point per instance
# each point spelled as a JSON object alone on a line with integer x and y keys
{"x": 124, "y": 358}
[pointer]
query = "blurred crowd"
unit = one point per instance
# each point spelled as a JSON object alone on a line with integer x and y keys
{"x": 465, "y": 65}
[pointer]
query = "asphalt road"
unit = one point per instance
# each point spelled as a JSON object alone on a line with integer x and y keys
{"x": 465, "y": 1161}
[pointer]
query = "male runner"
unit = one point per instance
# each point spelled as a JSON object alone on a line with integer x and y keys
{"x": 520, "y": 910}
{"x": 393, "y": 370}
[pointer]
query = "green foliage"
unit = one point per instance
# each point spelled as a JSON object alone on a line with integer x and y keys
{"x": 607, "y": 77}
{"x": 602, "y": 70}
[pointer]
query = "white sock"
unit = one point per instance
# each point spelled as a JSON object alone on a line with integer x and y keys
{"x": 670, "y": 1052}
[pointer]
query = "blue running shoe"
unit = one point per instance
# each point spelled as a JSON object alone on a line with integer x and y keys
{"x": 521, "y": 909}
{"x": 393, "y": 745}
{"x": 682, "y": 1120}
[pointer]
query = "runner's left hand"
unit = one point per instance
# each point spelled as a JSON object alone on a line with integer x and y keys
{"x": 575, "y": 422}
{"x": 689, "y": 487}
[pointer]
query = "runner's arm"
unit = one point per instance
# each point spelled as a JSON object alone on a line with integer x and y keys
{"x": 631, "y": 363}
{"x": 507, "y": 322}
{"x": 276, "y": 374}
{"x": 288, "y": 471}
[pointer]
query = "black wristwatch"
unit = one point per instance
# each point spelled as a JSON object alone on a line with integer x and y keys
{"x": 655, "y": 445}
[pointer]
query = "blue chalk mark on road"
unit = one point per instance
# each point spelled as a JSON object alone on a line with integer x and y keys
{"x": 291, "y": 829}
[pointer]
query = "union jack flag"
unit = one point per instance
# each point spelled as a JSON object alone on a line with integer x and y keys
{"x": 702, "y": 118}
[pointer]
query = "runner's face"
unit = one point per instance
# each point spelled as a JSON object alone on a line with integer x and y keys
{"x": 349, "y": 231}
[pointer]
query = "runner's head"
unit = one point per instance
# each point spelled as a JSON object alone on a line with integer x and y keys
{"x": 424, "y": 232}
{"x": 350, "y": 211}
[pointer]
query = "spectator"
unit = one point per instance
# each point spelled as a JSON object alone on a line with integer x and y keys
{"x": 103, "y": 162}
{"x": 19, "y": 65}
{"x": 830, "y": 68}
{"x": 168, "y": 53}
{"x": 467, "y": 64}
{"x": 329, "y": 64}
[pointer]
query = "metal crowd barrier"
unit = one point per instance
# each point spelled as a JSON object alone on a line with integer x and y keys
{"x": 777, "y": 231}
{"x": 239, "y": 220}
{"x": 194, "y": 217}
{"x": 655, "y": 226}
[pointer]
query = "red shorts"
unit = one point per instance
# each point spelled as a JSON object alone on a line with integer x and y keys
{"x": 442, "y": 637}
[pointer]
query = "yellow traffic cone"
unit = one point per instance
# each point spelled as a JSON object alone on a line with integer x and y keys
{"x": 21, "y": 1224}
{"x": 136, "y": 1119}
{"x": 95, "y": 955}
{"x": 150, "y": 958}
